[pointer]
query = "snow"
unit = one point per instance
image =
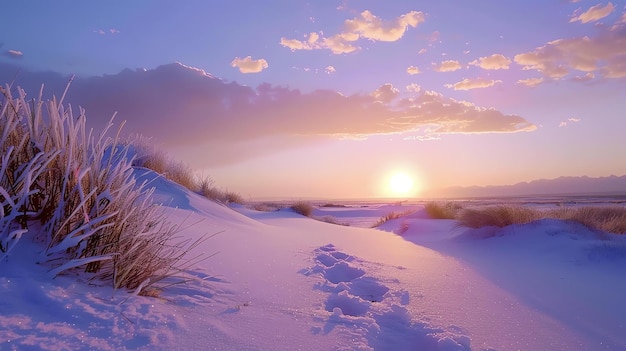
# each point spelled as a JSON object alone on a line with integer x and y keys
{"x": 281, "y": 281}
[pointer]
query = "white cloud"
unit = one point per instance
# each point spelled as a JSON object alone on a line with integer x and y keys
{"x": 366, "y": 26}
{"x": 338, "y": 45}
{"x": 603, "y": 54}
{"x": 530, "y": 82}
{"x": 569, "y": 120}
{"x": 385, "y": 93}
{"x": 14, "y": 53}
{"x": 493, "y": 62}
{"x": 330, "y": 69}
{"x": 447, "y": 66}
{"x": 413, "y": 88}
{"x": 412, "y": 70}
{"x": 587, "y": 77}
{"x": 110, "y": 31}
{"x": 371, "y": 27}
{"x": 476, "y": 83}
{"x": 594, "y": 13}
{"x": 248, "y": 65}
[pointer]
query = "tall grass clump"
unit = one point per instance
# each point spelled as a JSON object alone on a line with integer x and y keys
{"x": 443, "y": 210}
{"x": 302, "y": 207}
{"x": 391, "y": 216}
{"x": 610, "y": 219}
{"x": 497, "y": 216}
{"x": 147, "y": 154}
{"x": 80, "y": 188}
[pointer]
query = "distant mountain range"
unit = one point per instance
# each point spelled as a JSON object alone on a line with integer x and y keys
{"x": 612, "y": 185}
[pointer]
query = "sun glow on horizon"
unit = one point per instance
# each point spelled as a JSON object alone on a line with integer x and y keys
{"x": 401, "y": 184}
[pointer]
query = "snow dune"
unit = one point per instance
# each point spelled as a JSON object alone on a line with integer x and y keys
{"x": 280, "y": 281}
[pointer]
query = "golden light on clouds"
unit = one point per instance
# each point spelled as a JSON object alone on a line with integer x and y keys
{"x": 248, "y": 65}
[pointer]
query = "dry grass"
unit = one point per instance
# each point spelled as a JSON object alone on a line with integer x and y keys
{"x": 79, "y": 186}
{"x": 267, "y": 206}
{"x": 498, "y": 216}
{"x": 390, "y": 216}
{"x": 149, "y": 155}
{"x": 443, "y": 209}
{"x": 302, "y": 207}
{"x": 610, "y": 219}
{"x": 331, "y": 220}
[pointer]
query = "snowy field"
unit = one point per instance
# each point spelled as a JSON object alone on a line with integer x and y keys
{"x": 281, "y": 281}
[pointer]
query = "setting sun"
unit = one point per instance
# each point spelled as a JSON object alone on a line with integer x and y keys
{"x": 400, "y": 184}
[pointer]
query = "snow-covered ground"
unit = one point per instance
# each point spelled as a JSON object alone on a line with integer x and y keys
{"x": 281, "y": 281}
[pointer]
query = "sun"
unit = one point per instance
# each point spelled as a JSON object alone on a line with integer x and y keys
{"x": 400, "y": 184}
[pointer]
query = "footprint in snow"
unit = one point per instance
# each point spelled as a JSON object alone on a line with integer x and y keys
{"x": 369, "y": 310}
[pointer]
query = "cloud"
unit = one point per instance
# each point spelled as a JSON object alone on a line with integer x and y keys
{"x": 13, "y": 54}
{"x": 530, "y": 82}
{"x": 468, "y": 84}
{"x": 413, "y": 88}
{"x": 493, "y": 62}
{"x": 412, "y": 70}
{"x": 110, "y": 31}
{"x": 603, "y": 54}
{"x": 248, "y": 65}
{"x": 385, "y": 93}
{"x": 336, "y": 44}
{"x": 594, "y": 13}
{"x": 569, "y": 120}
{"x": 366, "y": 26}
{"x": 446, "y": 115}
{"x": 330, "y": 69}
{"x": 371, "y": 27}
{"x": 587, "y": 77}
{"x": 447, "y": 66}
{"x": 222, "y": 122}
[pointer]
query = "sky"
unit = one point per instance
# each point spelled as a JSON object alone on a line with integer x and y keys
{"x": 333, "y": 99}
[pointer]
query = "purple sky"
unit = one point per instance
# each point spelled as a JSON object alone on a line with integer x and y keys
{"x": 331, "y": 98}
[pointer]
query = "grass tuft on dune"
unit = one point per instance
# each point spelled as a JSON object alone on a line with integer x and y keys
{"x": 610, "y": 219}
{"x": 78, "y": 190}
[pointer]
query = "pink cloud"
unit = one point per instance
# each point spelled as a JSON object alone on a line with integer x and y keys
{"x": 530, "y": 82}
{"x": 183, "y": 107}
{"x": 493, "y": 62}
{"x": 447, "y": 66}
{"x": 412, "y": 70}
{"x": 248, "y": 65}
{"x": 594, "y": 13}
{"x": 13, "y": 53}
{"x": 365, "y": 26}
{"x": 604, "y": 54}
{"x": 475, "y": 83}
